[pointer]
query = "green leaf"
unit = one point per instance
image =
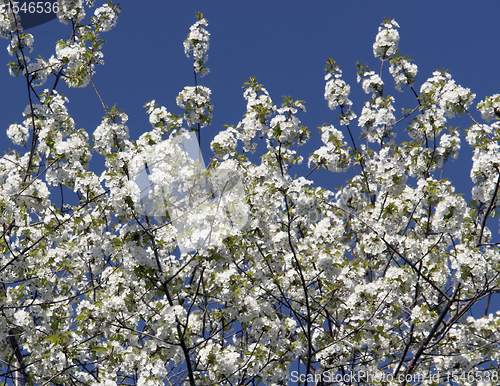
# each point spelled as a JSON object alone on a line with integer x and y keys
{"x": 53, "y": 338}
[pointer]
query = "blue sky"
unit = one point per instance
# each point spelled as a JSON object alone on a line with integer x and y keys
{"x": 283, "y": 43}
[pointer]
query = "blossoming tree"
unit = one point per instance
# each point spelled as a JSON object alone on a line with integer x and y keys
{"x": 371, "y": 284}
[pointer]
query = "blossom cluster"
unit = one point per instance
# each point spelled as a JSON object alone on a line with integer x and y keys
{"x": 197, "y": 105}
{"x": 333, "y": 156}
{"x": 442, "y": 90}
{"x": 224, "y": 144}
{"x": 75, "y": 56}
{"x": 372, "y": 83}
{"x": 106, "y": 17}
{"x": 259, "y": 107}
{"x": 285, "y": 126}
{"x": 337, "y": 93}
{"x": 485, "y": 161}
{"x": 403, "y": 71}
{"x": 197, "y": 44}
{"x": 110, "y": 132}
{"x": 377, "y": 118}
{"x": 73, "y": 10}
{"x": 490, "y": 107}
{"x": 8, "y": 21}
{"x": 387, "y": 40}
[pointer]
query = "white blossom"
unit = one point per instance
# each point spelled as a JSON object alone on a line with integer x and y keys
{"x": 371, "y": 82}
{"x": 337, "y": 94}
{"x": 197, "y": 105}
{"x": 377, "y": 118}
{"x": 490, "y": 107}
{"x": 69, "y": 9}
{"x": 333, "y": 156}
{"x": 224, "y": 143}
{"x": 387, "y": 40}
{"x": 403, "y": 72}
{"x": 18, "y": 134}
{"x": 108, "y": 131}
{"x": 197, "y": 44}
{"x": 106, "y": 16}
